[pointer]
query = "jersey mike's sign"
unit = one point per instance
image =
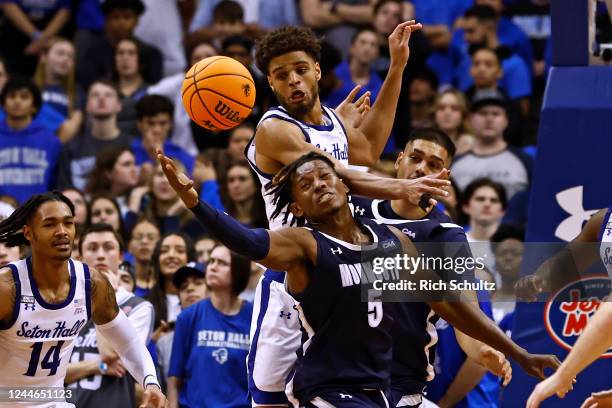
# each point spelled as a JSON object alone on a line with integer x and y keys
{"x": 569, "y": 310}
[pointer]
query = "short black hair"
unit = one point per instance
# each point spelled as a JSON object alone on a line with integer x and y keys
{"x": 284, "y": 40}
{"x": 280, "y": 186}
{"x": 228, "y": 10}
{"x": 11, "y": 233}
{"x": 471, "y": 189}
{"x": 136, "y": 6}
{"x": 100, "y": 227}
{"x": 474, "y": 48}
{"x": 238, "y": 40}
{"x": 436, "y": 136}
{"x": 481, "y": 13}
{"x": 18, "y": 83}
{"x": 380, "y": 3}
{"x": 507, "y": 231}
{"x": 330, "y": 57}
{"x": 151, "y": 105}
{"x": 105, "y": 82}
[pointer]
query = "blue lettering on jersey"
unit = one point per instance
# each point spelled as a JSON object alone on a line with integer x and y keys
{"x": 60, "y": 330}
{"x": 337, "y": 152}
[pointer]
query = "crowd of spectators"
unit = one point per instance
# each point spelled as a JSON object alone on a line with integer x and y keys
{"x": 90, "y": 89}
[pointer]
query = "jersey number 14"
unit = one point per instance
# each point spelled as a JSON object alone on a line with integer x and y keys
{"x": 51, "y": 361}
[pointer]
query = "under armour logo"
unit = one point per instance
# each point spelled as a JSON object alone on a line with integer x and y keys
{"x": 29, "y": 306}
{"x": 336, "y": 251}
{"x": 570, "y": 200}
{"x": 345, "y": 395}
{"x": 283, "y": 314}
{"x": 359, "y": 210}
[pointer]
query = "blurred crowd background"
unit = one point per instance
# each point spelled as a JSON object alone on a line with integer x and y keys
{"x": 90, "y": 88}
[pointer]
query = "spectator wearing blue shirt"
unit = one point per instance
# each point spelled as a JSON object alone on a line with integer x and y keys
{"x": 28, "y": 152}
{"x": 358, "y": 70}
{"x": 480, "y": 29}
{"x": 29, "y": 25}
{"x": 55, "y": 76}
{"x": 155, "y": 114}
{"x": 211, "y": 340}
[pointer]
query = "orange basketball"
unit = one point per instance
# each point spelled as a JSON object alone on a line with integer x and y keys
{"x": 218, "y": 93}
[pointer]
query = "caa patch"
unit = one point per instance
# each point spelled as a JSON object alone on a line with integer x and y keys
{"x": 566, "y": 320}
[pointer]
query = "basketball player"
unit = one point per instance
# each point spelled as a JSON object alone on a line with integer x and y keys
{"x": 578, "y": 255}
{"x": 426, "y": 152}
{"x": 289, "y": 57}
{"x": 51, "y": 297}
{"x": 346, "y": 352}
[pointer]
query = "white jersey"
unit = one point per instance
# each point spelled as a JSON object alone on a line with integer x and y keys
{"x": 36, "y": 344}
{"x": 331, "y": 138}
{"x": 605, "y": 237}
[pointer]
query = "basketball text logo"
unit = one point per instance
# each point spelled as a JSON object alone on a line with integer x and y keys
{"x": 568, "y": 311}
{"x": 225, "y": 111}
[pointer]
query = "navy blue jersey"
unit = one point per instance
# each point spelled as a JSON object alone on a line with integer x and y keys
{"x": 346, "y": 342}
{"x": 414, "y": 332}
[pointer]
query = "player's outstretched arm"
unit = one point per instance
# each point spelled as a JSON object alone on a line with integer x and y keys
{"x": 114, "y": 326}
{"x": 281, "y": 250}
{"x": 565, "y": 266}
{"x": 594, "y": 341}
{"x": 367, "y": 142}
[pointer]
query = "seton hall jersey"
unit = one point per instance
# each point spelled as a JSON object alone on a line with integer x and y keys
{"x": 414, "y": 331}
{"x": 605, "y": 237}
{"x": 35, "y": 345}
{"x": 331, "y": 138}
{"x": 346, "y": 342}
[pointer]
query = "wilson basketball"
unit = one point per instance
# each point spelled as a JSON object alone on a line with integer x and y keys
{"x": 218, "y": 93}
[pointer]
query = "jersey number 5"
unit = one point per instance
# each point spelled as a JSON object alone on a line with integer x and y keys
{"x": 375, "y": 308}
{"x": 51, "y": 361}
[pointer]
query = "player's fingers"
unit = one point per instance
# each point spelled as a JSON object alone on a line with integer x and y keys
{"x": 590, "y": 402}
{"x": 352, "y": 94}
{"x": 146, "y": 396}
{"x": 400, "y": 28}
{"x": 360, "y": 102}
{"x": 433, "y": 191}
{"x": 555, "y": 362}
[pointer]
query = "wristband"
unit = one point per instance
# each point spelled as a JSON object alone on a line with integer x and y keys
{"x": 150, "y": 380}
{"x": 103, "y": 367}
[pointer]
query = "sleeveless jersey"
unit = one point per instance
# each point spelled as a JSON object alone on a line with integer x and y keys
{"x": 346, "y": 342}
{"x": 331, "y": 138}
{"x": 98, "y": 391}
{"x": 35, "y": 345}
{"x": 605, "y": 238}
{"x": 414, "y": 332}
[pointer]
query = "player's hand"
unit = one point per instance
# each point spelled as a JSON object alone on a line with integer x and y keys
{"x": 353, "y": 112}
{"x": 602, "y": 399}
{"x": 434, "y": 185}
{"x": 178, "y": 180}
{"x": 153, "y": 397}
{"x": 496, "y": 363}
{"x": 115, "y": 368}
{"x": 398, "y": 42}
{"x": 535, "y": 364}
{"x": 555, "y": 384}
{"x": 529, "y": 287}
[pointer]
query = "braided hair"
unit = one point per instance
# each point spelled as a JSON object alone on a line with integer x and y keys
{"x": 11, "y": 229}
{"x": 280, "y": 186}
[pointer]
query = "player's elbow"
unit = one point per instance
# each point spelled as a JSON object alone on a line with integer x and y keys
{"x": 364, "y": 158}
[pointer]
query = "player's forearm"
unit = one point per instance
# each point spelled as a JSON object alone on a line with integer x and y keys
{"x": 371, "y": 186}
{"x": 251, "y": 243}
{"x": 470, "y": 346}
{"x": 472, "y": 321}
{"x": 468, "y": 377}
{"x": 378, "y": 123}
{"x": 81, "y": 369}
{"x": 593, "y": 342}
